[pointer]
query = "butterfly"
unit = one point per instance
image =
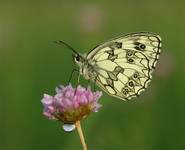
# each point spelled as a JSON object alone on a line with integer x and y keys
{"x": 122, "y": 67}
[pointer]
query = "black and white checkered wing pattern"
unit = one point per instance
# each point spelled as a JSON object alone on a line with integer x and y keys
{"x": 122, "y": 67}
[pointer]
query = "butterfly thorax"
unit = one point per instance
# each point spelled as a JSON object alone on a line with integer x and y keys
{"x": 86, "y": 68}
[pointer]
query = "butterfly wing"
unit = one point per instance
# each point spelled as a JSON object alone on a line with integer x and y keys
{"x": 122, "y": 67}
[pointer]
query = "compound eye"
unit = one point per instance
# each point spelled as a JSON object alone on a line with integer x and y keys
{"x": 77, "y": 58}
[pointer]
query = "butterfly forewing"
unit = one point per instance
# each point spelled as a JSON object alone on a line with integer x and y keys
{"x": 123, "y": 66}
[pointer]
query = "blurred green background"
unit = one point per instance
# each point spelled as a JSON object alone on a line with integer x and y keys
{"x": 31, "y": 64}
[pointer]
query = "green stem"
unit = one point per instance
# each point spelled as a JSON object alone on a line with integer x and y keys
{"x": 80, "y": 133}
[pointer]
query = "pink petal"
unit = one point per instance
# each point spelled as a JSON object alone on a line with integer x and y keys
{"x": 83, "y": 100}
{"x": 75, "y": 103}
{"x": 69, "y": 93}
{"x": 47, "y": 99}
{"x": 97, "y": 95}
{"x": 67, "y": 103}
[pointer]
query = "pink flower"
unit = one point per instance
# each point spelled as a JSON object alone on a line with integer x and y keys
{"x": 70, "y": 104}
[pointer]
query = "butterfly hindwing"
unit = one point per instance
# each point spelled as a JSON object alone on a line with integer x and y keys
{"x": 124, "y": 65}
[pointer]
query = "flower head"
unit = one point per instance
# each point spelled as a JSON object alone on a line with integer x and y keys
{"x": 70, "y": 104}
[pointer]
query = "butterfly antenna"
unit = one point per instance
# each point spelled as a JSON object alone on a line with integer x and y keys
{"x": 62, "y": 43}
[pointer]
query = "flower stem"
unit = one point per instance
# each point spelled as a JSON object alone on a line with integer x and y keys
{"x": 80, "y": 133}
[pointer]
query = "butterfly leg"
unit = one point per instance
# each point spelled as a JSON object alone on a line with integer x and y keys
{"x": 94, "y": 87}
{"x": 71, "y": 76}
{"x": 78, "y": 81}
{"x": 88, "y": 84}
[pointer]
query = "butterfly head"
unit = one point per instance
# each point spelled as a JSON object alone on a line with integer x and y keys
{"x": 78, "y": 59}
